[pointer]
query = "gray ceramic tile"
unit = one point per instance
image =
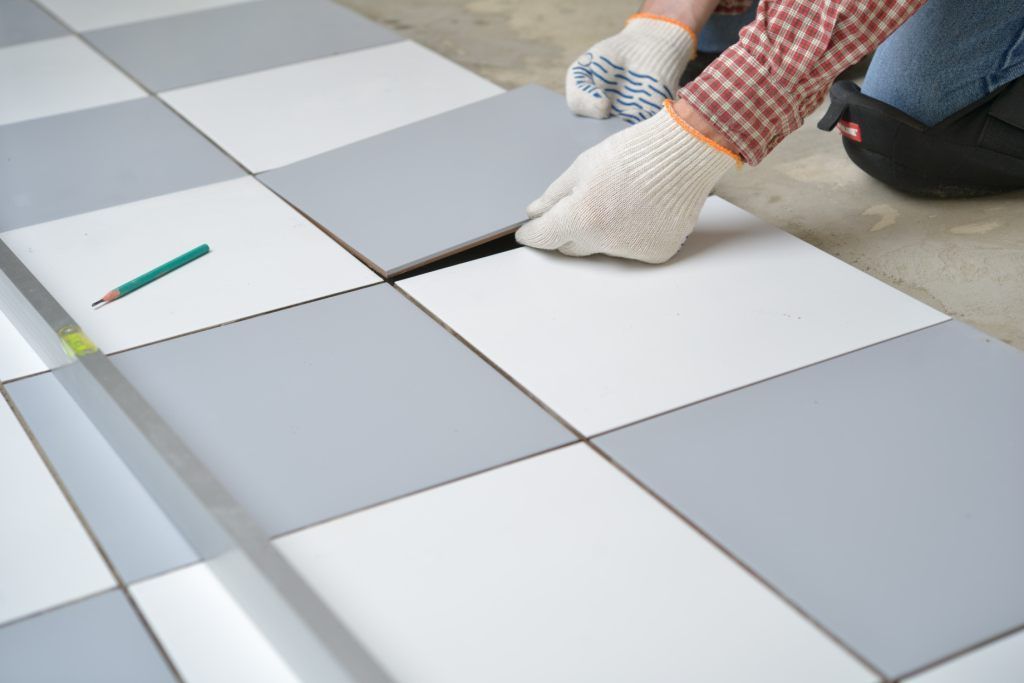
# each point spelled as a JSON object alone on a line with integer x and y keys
{"x": 72, "y": 163}
{"x": 228, "y": 41}
{"x": 97, "y": 639}
{"x": 22, "y": 21}
{"x": 132, "y": 530}
{"x": 317, "y": 410}
{"x": 881, "y": 490}
{"x": 465, "y": 176}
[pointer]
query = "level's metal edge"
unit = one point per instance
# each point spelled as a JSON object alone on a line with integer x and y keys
{"x": 307, "y": 634}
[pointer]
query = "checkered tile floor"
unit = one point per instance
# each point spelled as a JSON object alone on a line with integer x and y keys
{"x": 754, "y": 463}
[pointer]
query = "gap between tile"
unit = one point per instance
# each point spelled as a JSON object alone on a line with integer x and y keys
{"x": 960, "y": 653}
{"x": 687, "y": 521}
{"x": 392, "y": 281}
{"x": 766, "y": 379}
{"x": 119, "y": 580}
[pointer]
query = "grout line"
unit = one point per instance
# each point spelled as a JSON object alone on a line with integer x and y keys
{"x": 390, "y": 279}
{"x": 252, "y": 316}
{"x": 638, "y": 421}
{"x": 119, "y": 582}
{"x": 351, "y": 250}
{"x": 715, "y": 543}
{"x": 55, "y": 608}
{"x": 587, "y": 440}
{"x": 245, "y": 173}
{"x": 189, "y": 333}
{"x": 151, "y": 633}
{"x": 565, "y": 423}
{"x": 372, "y": 506}
{"x": 763, "y": 581}
{"x": 425, "y": 489}
{"x": 963, "y": 652}
{"x": 142, "y": 86}
{"x": 329, "y": 648}
{"x": 55, "y": 475}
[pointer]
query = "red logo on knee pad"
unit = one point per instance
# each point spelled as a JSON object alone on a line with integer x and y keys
{"x": 849, "y": 130}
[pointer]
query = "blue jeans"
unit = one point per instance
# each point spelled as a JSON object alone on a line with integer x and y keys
{"x": 950, "y": 54}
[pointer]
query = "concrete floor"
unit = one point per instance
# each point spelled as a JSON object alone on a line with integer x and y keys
{"x": 964, "y": 257}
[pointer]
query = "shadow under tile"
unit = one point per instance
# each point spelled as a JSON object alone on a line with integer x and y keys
{"x": 880, "y": 490}
{"x": 96, "y": 639}
{"x": 85, "y": 160}
{"x": 496, "y": 246}
{"x": 465, "y": 177}
{"x": 197, "y": 47}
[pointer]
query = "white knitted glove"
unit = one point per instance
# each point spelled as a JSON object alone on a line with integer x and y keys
{"x": 636, "y": 195}
{"x": 631, "y": 73}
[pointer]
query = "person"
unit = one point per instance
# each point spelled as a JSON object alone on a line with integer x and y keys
{"x": 941, "y": 112}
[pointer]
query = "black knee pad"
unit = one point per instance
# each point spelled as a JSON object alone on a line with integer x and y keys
{"x": 977, "y": 151}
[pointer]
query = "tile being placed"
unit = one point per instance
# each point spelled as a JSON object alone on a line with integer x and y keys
{"x": 22, "y": 21}
{"x": 86, "y": 160}
{"x": 240, "y": 38}
{"x": 47, "y": 77}
{"x": 17, "y": 358}
{"x": 275, "y": 117}
{"x": 133, "y": 531}
{"x": 880, "y": 491}
{"x": 464, "y": 177}
{"x": 46, "y": 557}
{"x": 998, "y": 662}
{"x": 605, "y": 342}
{"x": 317, "y": 410}
{"x": 264, "y": 255}
{"x": 93, "y": 14}
{"x": 557, "y": 568}
{"x": 97, "y": 639}
{"x": 205, "y": 632}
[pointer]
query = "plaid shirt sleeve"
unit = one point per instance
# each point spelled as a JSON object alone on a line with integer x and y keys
{"x": 760, "y": 89}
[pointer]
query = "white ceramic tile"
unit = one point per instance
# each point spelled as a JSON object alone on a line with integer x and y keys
{"x": 86, "y": 15}
{"x": 55, "y": 76}
{"x": 998, "y": 662}
{"x": 275, "y": 117}
{"x": 205, "y": 632}
{"x": 46, "y": 557}
{"x": 604, "y": 342}
{"x": 264, "y": 255}
{"x": 17, "y": 358}
{"x": 557, "y": 568}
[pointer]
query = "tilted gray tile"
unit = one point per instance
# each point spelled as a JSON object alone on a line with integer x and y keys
{"x": 132, "y": 530}
{"x": 85, "y": 160}
{"x": 96, "y": 639}
{"x": 318, "y": 410}
{"x": 229, "y": 41}
{"x": 22, "y": 21}
{"x": 443, "y": 184}
{"x": 880, "y": 491}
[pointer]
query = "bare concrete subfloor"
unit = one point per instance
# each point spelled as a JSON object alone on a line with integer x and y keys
{"x": 964, "y": 257}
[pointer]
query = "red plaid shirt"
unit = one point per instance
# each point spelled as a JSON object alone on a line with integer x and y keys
{"x": 760, "y": 89}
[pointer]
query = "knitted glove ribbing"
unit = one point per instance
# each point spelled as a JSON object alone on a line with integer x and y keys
{"x": 636, "y": 195}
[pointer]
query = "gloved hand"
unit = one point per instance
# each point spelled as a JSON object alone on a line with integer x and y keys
{"x": 636, "y": 195}
{"x": 631, "y": 73}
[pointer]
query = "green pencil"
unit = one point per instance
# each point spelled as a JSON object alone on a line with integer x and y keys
{"x": 156, "y": 273}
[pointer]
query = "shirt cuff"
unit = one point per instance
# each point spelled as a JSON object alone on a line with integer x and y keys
{"x": 742, "y": 100}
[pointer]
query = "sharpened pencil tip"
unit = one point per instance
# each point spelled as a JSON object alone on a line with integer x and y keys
{"x": 97, "y": 303}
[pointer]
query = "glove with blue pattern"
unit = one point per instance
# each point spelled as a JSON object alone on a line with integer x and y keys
{"x": 630, "y": 74}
